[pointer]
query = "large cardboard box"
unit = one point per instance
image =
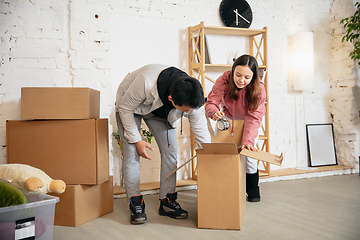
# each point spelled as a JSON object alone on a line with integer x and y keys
{"x": 59, "y": 103}
{"x": 76, "y": 151}
{"x": 221, "y": 186}
{"x": 82, "y": 203}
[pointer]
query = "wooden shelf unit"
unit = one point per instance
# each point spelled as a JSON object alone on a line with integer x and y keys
{"x": 197, "y": 68}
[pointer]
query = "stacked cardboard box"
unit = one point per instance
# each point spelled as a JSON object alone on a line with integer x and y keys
{"x": 60, "y": 133}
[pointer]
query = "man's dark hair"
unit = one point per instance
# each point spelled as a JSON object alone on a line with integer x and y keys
{"x": 187, "y": 91}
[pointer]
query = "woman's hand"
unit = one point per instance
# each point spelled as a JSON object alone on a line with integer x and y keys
{"x": 249, "y": 147}
{"x": 217, "y": 115}
{"x": 141, "y": 149}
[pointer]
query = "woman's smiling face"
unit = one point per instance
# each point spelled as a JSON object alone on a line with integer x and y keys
{"x": 242, "y": 76}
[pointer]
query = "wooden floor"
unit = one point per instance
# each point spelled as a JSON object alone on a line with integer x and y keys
{"x": 275, "y": 173}
{"x": 317, "y": 208}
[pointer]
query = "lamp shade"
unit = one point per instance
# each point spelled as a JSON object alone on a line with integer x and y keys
{"x": 303, "y": 59}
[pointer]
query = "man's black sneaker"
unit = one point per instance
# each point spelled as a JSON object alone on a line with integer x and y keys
{"x": 137, "y": 209}
{"x": 169, "y": 207}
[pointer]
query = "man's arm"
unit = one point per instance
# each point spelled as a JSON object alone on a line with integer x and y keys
{"x": 199, "y": 127}
{"x": 132, "y": 99}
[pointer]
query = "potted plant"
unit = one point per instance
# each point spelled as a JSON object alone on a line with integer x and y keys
{"x": 352, "y": 33}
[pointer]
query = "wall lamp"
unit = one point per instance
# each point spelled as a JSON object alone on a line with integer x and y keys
{"x": 303, "y": 59}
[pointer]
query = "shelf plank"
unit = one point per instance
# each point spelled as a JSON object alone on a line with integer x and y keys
{"x": 217, "y": 67}
{"x": 233, "y": 31}
{"x": 222, "y": 67}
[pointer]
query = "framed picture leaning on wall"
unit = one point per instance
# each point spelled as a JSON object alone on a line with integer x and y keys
{"x": 321, "y": 144}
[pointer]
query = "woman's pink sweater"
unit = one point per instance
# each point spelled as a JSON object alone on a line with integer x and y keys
{"x": 236, "y": 110}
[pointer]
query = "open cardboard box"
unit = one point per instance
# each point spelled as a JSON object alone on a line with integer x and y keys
{"x": 221, "y": 186}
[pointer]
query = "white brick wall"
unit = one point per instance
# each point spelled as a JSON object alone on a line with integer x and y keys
{"x": 96, "y": 43}
{"x": 344, "y": 101}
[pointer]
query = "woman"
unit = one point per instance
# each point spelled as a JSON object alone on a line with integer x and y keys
{"x": 242, "y": 96}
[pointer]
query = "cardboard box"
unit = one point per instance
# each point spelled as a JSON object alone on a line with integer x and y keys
{"x": 59, "y": 103}
{"x": 82, "y": 203}
{"x": 76, "y": 151}
{"x": 221, "y": 176}
{"x": 220, "y": 187}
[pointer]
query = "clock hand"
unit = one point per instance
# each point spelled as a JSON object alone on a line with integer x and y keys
{"x": 237, "y": 14}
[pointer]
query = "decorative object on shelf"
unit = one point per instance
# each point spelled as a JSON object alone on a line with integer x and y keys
{"x": 236, "y": 13}
{"x": 262, "y": 73}
{"x": 234, "y": 56}
{"x": 352, "y": 34}
{"x": 321, "y": 144}
{"x": 207, "y": 56}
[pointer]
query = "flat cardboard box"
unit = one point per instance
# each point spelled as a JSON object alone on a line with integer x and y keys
{"x": 59, "y": 103}
{"x": 76, "y": 151}
{"x": 221, "y": 176}
{"x": 82, "y": 203}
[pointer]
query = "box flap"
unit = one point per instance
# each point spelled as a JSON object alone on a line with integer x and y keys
{"x": 263, "y": 156}
{"x": 218, "y": 148}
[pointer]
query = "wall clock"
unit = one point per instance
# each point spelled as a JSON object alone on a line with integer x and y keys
{"x": 236, "y": 13}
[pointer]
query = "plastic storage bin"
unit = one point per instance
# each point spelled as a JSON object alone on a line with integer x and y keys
{"x": 34, "y": 220}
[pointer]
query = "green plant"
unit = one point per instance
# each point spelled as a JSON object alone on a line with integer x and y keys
{"x": 116, "y": 135}
{"x": 352, "y": 26}
{"x": 146, "y": 133}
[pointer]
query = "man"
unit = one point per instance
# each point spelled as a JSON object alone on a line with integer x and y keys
{"x": 160, "y": 95}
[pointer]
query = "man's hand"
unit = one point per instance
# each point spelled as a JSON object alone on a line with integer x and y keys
{"x": 141, "y": 149}
{"x": 218, "y": 115}
{"x": 249, "y": 147}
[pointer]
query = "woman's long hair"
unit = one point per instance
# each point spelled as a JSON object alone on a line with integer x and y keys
{"x": 253, "y": 91}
